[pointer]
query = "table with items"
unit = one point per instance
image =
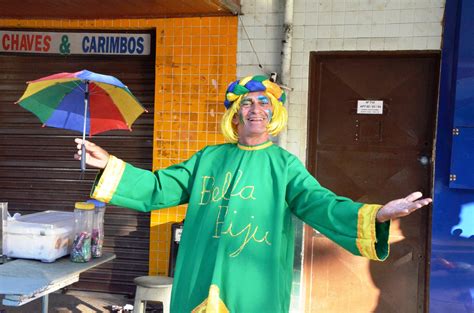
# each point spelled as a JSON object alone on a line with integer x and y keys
{"x": 48, "y": 250}
{"x": 22, "y": 281}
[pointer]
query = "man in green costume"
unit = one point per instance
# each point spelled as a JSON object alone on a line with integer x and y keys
{"x": 236, "y": 250}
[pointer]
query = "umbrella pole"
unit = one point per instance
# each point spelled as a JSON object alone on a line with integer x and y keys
{"x": 86, "y": 102}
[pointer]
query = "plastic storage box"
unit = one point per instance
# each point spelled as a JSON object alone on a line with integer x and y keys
{"x": 44, "y": 236}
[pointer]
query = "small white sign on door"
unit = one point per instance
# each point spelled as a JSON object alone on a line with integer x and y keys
{"x": 369, "y": 107}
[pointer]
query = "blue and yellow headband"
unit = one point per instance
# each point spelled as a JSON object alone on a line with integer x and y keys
{"x": 252, "y": 84}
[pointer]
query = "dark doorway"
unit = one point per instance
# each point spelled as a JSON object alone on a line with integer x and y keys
{"x": 370, "y": 138}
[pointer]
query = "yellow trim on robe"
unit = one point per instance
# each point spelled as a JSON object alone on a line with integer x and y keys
{"x": 366, "y": 236}
{"x": 213, "y": 304}
{"x": 257, "y": 147}
{"x": 109, "y": 179}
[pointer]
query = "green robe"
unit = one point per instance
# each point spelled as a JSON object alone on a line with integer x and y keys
{"x": 236, "y": 249}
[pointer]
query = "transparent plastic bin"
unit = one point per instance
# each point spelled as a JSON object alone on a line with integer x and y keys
{"x": 44, "y": 236}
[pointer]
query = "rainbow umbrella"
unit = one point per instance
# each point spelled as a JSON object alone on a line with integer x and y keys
{"x": 83, "y": 101}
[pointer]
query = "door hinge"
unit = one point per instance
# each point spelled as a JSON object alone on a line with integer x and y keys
{"x": 455, "y": 131}
{"x": 452, "y": 177}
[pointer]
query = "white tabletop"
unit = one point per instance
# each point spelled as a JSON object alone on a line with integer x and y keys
{"x": 22, "y": 281}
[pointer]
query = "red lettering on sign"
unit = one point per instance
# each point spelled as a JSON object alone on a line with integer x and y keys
{"x": 23, "y": 43}
{"x": 30, "y": 40}
{"x": 38, "y": 40}
{"x": 26, "y": 42}
{"x": 46, "y": 42}
{"x": 5, "y": 44}
{"x": 30, "y": 43}
{"x": 14, "y": 42}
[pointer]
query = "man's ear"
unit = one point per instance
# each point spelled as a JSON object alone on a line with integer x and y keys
{"x": 235, "y": 119}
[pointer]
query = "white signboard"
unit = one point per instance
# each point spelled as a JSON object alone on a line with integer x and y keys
{"x": 177, "y": 234}
{"x": 65, "y": 43}
{"x": 369, "y": 107}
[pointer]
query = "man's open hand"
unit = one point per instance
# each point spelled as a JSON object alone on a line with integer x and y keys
{"x": 402, "y": 207}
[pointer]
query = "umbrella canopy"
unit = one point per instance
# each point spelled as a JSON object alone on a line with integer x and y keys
{"x": 62, "y": 100}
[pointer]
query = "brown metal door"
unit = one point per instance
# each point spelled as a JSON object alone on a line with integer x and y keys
{"x": 371, "y": 158}
{"x": 38, "y": 172}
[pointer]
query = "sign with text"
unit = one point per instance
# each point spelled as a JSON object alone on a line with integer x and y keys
{"x": 66, "y": 43}
{"x": 369, "y": 107}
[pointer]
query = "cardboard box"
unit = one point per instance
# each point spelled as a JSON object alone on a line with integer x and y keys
{"x": 44, "y": 236}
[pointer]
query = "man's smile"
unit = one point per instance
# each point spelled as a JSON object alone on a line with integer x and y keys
{"x": 256, "y": 119}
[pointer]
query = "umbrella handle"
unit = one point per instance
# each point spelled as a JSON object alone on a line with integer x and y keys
{"x": 83, "y": 158}
{"x": 86, "y": 102}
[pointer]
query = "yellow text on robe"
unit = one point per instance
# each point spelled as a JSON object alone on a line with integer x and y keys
{"x": 248, "y": 233}
{"x": 211, "y": 192}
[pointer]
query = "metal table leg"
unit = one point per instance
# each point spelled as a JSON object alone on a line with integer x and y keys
{"x": 44, "y": 306}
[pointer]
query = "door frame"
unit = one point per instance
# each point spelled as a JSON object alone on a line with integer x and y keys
{"x": 311, "y": 155}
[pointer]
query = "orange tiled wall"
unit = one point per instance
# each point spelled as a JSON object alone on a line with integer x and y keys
{"x": 195, "y": 60}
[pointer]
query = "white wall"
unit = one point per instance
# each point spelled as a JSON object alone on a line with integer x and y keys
{"x": 328, "y": 25}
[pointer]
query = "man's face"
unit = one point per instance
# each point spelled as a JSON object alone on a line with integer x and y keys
{"x": 253, "y": 116}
